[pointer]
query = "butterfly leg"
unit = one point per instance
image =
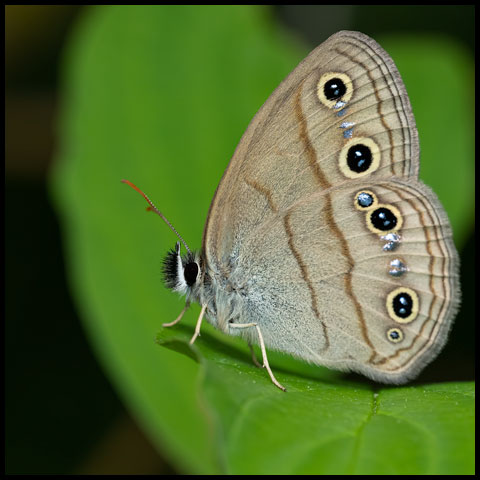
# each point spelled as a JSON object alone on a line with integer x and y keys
{"x": 264, "y": 352}
{"x": 178, "y": 318}
{"x": 198, "y": 325}
{"x": 254, "y": 358}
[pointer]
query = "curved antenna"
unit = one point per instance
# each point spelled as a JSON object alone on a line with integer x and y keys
{"x": 153, "y": 208}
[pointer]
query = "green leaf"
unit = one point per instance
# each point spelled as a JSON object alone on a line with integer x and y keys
{"x": 161, "y": 95}
{"x": 326, "y": 425}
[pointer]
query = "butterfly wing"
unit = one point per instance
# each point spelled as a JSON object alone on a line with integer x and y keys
{"x": 291, "y": 147}
{"x": 327, "y": 287}
{"x": 283, "y": 223}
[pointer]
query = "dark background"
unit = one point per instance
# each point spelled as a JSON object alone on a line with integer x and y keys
{"x": 57, "y": 422}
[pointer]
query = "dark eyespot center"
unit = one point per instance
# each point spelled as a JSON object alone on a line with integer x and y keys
{"x": 334, "y": 89}
{"x": 394, "y": 335}
{"x": 383, "y": 219}
{"x": 190, "y": 273}
{"x": 359, "y": 158}
{"x": 402, "y": 305}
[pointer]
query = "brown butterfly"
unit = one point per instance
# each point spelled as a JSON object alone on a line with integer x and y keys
{"x": 321, "y": 241}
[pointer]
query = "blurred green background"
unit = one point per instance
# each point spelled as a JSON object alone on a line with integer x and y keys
{"x": 62, "y": 413}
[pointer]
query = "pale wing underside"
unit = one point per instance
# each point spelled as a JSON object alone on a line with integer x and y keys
{"x": 292, "y": 144}
{"x": 318, "y": 279}
{"x": 283, "y": 223}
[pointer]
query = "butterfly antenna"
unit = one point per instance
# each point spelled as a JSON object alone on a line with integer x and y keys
{"x": 153, "y": 208}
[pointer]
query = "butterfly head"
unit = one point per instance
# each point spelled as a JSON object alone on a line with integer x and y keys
{"x": 181, "y": 273}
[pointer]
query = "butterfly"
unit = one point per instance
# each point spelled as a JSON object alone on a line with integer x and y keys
{"x": 321, "y": 241}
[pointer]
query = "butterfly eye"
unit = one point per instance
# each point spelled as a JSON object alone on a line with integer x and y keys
{"x": 402, "y": 305}
{"x": 190, "y": 273}
{"x": 334, "y": 89}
